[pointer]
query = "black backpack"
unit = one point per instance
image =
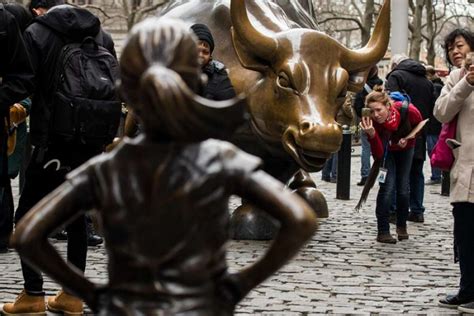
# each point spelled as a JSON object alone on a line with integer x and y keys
{"x": 85, "y": 107}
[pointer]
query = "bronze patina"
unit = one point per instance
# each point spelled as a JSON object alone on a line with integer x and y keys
{"x": 296, "y": 79}
{"x": 162, "y": 197}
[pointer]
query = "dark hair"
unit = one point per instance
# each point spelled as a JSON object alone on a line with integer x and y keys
{"x": 451, "y": 37}
{"x": 47, "y": 4}
{"x": 22, "y": 16}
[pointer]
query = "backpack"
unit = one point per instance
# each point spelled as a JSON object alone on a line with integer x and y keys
{"x": 404, "y": 128}
{"x": 85, "y": 108}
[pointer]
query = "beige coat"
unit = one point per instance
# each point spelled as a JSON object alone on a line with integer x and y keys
{"x": 457, "y": 98}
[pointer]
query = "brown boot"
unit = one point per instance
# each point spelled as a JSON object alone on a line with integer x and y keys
{"x": 402, "y": 233}
{"x": 25, "y": 305}
{"x": 65, "y": 303}
{"x": 386, "y": 238}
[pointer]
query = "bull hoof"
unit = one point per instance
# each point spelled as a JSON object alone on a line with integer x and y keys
{"x": 302, "y": 184}
{"x": 248, "y": 223}
{"x": 315, "y": 199}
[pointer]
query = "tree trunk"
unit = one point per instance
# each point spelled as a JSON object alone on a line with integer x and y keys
{"x": 367, "y": 21}
{"x": 430, "y": 33}
{"x": 416, "y": 37}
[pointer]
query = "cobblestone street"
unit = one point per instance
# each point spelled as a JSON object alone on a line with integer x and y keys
{"x": 341, "y": 270}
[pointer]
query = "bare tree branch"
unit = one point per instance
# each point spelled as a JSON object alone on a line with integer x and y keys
{"x": 343, "y": 19}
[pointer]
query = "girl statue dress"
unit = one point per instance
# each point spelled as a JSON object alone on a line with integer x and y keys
{"x": 162, "y": 198}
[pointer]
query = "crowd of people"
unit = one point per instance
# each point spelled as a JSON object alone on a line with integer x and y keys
{"x": 48, "y": 33}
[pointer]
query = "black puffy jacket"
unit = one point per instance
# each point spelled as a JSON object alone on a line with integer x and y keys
{"x": 45, "y": 38}
{"x": 17, "y": 78}
{"x": 410, "y": 77}
{"x": 434, "y": 126}
{"x": 218, "y": 85}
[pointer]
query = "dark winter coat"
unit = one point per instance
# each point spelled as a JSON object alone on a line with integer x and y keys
{"x": 410, "y": 77}
{"x": 218, "y": 85}
{"x": 17, "y": 77}
{"x": 359, "y": 101}
{"x": 434, "y": 126}
{"x": 45, "y": 38}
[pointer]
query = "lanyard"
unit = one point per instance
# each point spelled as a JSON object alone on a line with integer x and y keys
{"x": 385, "y": 154}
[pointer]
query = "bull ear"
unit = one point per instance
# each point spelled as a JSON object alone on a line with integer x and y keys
{"x": 246, "y": 58}
{"x": 357, "y": 80}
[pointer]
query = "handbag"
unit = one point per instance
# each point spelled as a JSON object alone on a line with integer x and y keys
{"x": 442, "y": 156}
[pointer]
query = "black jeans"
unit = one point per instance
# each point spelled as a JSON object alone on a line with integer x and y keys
{"x": 47, "y": 170}
{"x": 6, "y": 213}
{"x": 464, "y": 235}
{"x": 398, "y": 165}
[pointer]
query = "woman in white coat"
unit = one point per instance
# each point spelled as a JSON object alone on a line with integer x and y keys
{"x": 457, "y": 99}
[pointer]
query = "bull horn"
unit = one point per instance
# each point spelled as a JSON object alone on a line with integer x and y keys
{"x": 375, "y": 49}
{"x": 261, "y": 45}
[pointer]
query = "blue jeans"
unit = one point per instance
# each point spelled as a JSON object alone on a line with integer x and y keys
{"x": 364, "y": 156}
{"x": 464, "y": 235}
{"x": 330, "y": 168}
{"x": 430, "y": 143}
{"x": 417, "y": 187}
{"x": 398, "y": 165}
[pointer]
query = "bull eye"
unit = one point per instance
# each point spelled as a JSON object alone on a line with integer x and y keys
{"x": 284, "y": 80}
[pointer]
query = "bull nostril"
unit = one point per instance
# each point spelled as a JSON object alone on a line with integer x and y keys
{"x": 305, "y": 126}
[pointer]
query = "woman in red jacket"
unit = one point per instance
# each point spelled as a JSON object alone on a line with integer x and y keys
{"x": 386, "y": 127}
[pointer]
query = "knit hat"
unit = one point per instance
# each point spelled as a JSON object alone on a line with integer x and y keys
{"x": 35, "y": 4}
{"x": 203, "y": 33}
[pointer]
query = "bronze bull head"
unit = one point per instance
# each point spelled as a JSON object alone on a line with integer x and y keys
{"x": 295, "y": 78}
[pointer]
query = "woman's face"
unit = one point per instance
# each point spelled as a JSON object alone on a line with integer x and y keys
{"x": 380, "y": 112}
{"x": 458, "y": 50}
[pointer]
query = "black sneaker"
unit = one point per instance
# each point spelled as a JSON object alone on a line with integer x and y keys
{"x": 416, "y": 217}
{"x": 467, "y": 308}
{"x": 60, "y": 235}
{"x": 3, "y": 246}
{"x": 453, "y": 301}
{"x": 433, "y": 182}
{"x": 362, "y": 181}
{"x": 92, "y": 238}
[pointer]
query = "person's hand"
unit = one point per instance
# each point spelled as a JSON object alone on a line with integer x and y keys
{"x": 402, "y": 143}
{"x": 367, "y": 126}
{"x": 470, "y": 75}
{"x": 17, "y": 113}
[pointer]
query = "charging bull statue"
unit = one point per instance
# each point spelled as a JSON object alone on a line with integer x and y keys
{"x": 295, "y": 78}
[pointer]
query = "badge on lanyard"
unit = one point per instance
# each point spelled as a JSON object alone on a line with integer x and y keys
{"x": 382, "y": 175}
{"x": 383, "y": 171}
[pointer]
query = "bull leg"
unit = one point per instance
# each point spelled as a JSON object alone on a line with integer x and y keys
{"x": 302, "y": 184}
{"x": 250, "y": 223}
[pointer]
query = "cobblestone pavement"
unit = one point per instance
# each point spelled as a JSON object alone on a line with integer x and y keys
{"x": 341, "y": 270}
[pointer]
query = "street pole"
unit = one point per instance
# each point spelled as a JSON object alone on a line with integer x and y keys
{"x": 445, "y": 185}
{"x": 399, "y": 40}
{"x": 343, "y": 187}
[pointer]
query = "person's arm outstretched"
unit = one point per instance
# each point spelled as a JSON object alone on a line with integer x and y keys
{"x": 297, "y": 224}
